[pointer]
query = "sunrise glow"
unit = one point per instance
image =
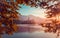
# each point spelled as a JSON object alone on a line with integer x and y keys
{"x": 39, "y": 13}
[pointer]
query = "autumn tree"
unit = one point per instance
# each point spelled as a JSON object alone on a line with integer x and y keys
{"x": 8, "y": 14}
{"x": 53, "y": 12}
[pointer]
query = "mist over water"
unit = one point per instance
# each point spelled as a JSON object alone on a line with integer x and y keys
{"x": 34, "y": 34}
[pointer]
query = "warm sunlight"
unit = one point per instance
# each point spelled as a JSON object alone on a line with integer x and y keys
{"x": 57, "y": 17}
{"x": 27, "y": 10}
{"x": 39, "y": 13}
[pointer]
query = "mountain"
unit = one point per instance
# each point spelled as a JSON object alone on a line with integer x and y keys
{"x": 30, "y": 19}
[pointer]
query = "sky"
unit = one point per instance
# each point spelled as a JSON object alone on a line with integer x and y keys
{"x": 28, "y": 10}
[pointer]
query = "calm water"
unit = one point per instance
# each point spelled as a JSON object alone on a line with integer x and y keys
{"x": 27, "y": 34}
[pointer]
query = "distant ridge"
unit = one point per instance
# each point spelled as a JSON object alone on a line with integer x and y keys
{"x": 30, "y": 19}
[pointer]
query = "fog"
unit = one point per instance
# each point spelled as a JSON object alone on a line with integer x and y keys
{"x": 27, "y": 34}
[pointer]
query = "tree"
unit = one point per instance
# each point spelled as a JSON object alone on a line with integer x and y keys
{"x": 7, "y": 15}
{"x": 54, "y": 13}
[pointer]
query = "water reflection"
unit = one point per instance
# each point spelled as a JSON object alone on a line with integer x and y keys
{"x": 29, "y": 28}
{"x": 30, "y": 31}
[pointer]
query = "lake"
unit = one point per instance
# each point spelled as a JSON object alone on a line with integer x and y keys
{"x": 30, "y": 31}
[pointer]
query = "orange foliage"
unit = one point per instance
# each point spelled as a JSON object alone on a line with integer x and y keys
{"x": 7, "y": 15}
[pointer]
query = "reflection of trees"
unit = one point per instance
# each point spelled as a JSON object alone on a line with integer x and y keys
{"x": 27, "y": 29}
